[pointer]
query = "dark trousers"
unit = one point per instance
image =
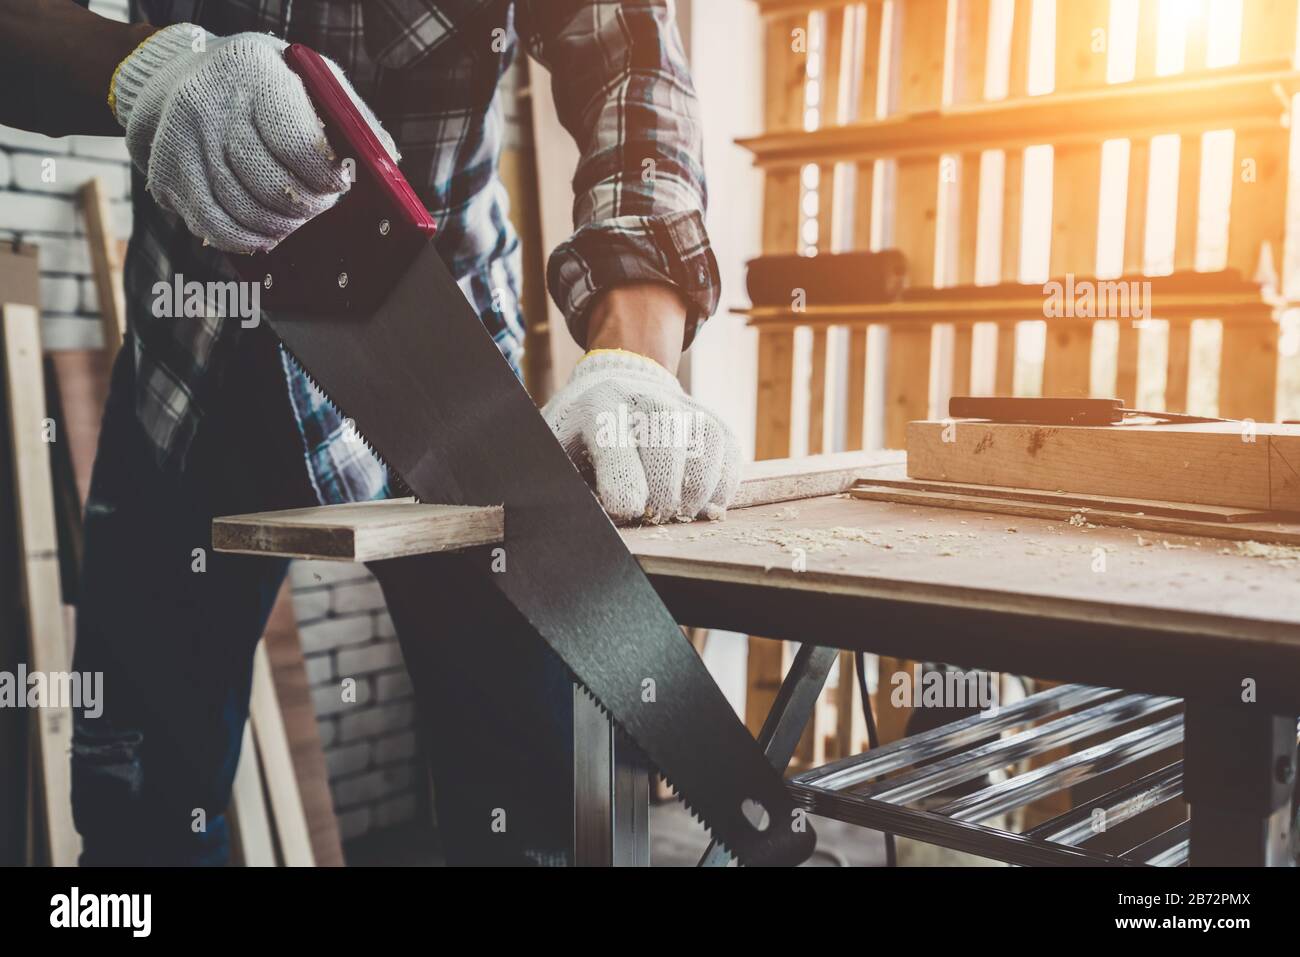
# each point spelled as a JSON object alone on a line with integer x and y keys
{"x": 173, "y": 626}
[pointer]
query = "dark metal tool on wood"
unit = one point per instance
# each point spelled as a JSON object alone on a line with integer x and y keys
{"x": 1057, "y": 411}
{"x": 363, "y": 302}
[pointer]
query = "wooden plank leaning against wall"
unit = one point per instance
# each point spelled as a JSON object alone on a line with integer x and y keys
{"x": 1082, "y": 27}
{"x": 785, "y": 79}
{"x": 1258, "y": 220}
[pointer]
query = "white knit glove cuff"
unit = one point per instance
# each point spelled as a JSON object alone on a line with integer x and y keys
{"x": 166, "y": 48}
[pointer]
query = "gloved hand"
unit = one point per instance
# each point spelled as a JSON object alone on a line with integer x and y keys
{"x": 651, "y": 452}
{"x": 227, "y": 136}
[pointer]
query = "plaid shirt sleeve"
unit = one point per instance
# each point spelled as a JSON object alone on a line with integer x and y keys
{"x": 623, "y": 90}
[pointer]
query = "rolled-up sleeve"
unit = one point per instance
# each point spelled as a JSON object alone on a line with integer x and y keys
{"x": 623, "y": 91}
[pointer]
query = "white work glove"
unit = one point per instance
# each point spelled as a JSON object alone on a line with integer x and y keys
{"x": 651, "y": 452}
{"x": 227, "y": 136}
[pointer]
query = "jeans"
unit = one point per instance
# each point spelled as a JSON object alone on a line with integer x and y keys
{"x": 173, "y": 626}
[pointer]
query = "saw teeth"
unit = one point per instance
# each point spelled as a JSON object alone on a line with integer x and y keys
{"x": 395, "y": 480}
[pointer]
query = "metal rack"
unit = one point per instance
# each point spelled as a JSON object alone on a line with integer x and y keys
{"x": 901, "y": 788}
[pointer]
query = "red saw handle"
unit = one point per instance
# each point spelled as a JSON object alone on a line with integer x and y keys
{"x": 348, "y": 258}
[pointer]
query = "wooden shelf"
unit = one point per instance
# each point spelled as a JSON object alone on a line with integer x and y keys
{"x": 1243, "y": 98}
{"x": 783, "y": 8}
{"x": 1179, "y": 297}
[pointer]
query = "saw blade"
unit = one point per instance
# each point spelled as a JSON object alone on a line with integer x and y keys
{"x": 430, "y": 393}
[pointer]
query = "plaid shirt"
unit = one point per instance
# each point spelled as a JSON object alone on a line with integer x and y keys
{"x": 430, "y": 70}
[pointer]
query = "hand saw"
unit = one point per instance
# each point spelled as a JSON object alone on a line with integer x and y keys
{"x": 362, "y": 301}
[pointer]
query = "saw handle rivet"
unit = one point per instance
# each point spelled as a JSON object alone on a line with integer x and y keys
{"x": 384, "y": 227}
{"x": 343, "y": 280}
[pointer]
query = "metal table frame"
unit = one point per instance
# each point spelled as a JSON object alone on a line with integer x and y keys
{"x": 1238, "y": 776}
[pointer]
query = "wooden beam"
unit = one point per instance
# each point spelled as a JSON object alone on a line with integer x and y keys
{"x": 107, "y": 264}
{"x": 38, "y": 547}
{"x": 398, "y": 528}
{"x": 1080, "y": 65}
{"x": 254, "y": 841}
{"x": 919, "y": 75}
{"x": 1270, "y": 532}
{"x": 1241, "y": 98}
{"x": 361, "y": 532}
{"x": 1210, "y": 464}
{"x": 293, "y": 837}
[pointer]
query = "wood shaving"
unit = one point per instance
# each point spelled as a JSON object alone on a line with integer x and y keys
{"x": 811, "y": 539}
{"x": 1283, "y": 556}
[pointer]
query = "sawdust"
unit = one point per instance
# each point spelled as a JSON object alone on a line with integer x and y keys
{"x": 1282, "y": 556}
{"x": 811, "y": 540}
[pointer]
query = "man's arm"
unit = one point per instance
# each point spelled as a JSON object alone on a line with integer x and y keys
{"x": 57, "y": 60}
{"x": 638, "y": 273}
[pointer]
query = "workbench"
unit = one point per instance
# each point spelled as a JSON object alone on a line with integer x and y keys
{"x": 1211, "y": 621}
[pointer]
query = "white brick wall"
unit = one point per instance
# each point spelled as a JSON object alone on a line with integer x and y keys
{"x": 369, "y": 741}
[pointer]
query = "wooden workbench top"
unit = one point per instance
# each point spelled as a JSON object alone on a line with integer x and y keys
{"x": 1168, "y": 614}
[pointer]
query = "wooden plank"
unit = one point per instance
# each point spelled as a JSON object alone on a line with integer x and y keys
{"x": 1257, "y": 532}
{"x": 292, "y": 835}
{"x": 764, "y": 669}
{"x": 919, "y": 75}
{"x": 872, "y": 19}
{"x": 1067, "y": 363}
{"x": 284, "y": 651}
{"x": 787, "y": 480}
{"x": 855, "y": 415}
{"x": 971, "y": 67}
{"x": 970, "y": 70}
{"x": 847, "y": 703}
{"x": 785, "y": 71}
{"x": 775, "y": 393}
{"x": 361, "y": 532}
{"x": 1135, "y": 220}
{"x": 1185, "y": 250}
{"x": 786, "y": 41}
{"x": 317, "y": 532}
{"x": 1231, "y": 97}
{"x": 1178, "y": 361}
{"x": 106, "y": 262}
{"x": 1209, "y": 464}
{"x": 1248, "y": 382}
{"x": 19, "y": 283}
{"x": 1013, "y": 192}
{"x": 817, "y": 394}
{"x": 253, "y": 843}
{"x": 1080, "y": 64}
{"x": 1075, "y": 500}
{"x": 1256, "y": 235}
{"x": 38, "y": 548}
{"x": 1024, "y": 300}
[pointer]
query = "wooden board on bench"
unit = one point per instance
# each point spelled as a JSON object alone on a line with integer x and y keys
{"x": 1236, "y": 465}
{"x": 371, "y": 531}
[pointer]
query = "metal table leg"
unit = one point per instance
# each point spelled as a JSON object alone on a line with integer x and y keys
{"x": 1239, "y": 778}
{"x": 611, "y": 792}
{"x": 784, "y": 724}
